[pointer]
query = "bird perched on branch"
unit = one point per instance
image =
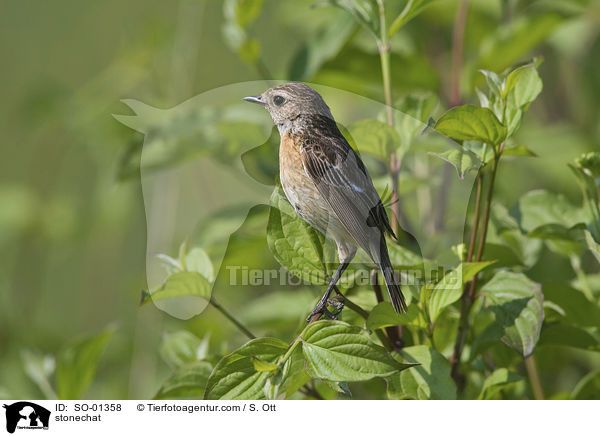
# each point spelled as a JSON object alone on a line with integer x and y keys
{"x": 327, "y": 183}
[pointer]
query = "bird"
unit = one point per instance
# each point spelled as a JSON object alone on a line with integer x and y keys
{"x": 328, "y": 184}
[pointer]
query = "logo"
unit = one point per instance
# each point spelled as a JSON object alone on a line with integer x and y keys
{"x": 26, "y": 415}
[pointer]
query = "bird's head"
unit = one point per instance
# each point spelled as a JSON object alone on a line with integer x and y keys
{"x": 288, "y": 101}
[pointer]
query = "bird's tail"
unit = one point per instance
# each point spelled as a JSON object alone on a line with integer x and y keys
{"x": 387, "y": 270}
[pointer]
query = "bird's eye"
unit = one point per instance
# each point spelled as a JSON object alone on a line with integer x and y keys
{"x": 278, "y": 100}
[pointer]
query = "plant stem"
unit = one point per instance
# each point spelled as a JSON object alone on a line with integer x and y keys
{"x": 383, "y": 46}
{"x": 353, "y": 306}
{"x": 464, "y": 303}
{"x": 231, "y": 318}
{"x": 534, "y": 378}
{"x": 469, "y": 292}
{"x": 475, "y": 226}
{"x": 486, "y": 212}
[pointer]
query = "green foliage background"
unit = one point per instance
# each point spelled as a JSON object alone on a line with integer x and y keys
{"x": 72, "y": 226}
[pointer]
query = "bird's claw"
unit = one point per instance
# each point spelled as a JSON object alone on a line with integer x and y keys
{"x": 321, "y": 308}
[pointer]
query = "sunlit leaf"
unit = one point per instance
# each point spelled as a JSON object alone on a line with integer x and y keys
{"x": 180, "y": 285}
{"x": 337, "y": 351}
{"x": 450, "y": 288}
{"x": 465, "y": 123}
{"x": 429, "y": 381}
{"x": 411, "y": 10}
{"x": 462, "y": 159}
{"x": 497, "y": 381}
{"x": 518, "y": 150}
{"x": 517, "y": 303}
{"x": 197, "y": 260}
{"x": 236, "y": 378}
{"x": 295, "y": 244}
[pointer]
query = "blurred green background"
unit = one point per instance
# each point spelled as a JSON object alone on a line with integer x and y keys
{"x": 72, "y": 224}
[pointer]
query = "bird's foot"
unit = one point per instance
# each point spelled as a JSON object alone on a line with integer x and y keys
{"x": 322, "y": 308}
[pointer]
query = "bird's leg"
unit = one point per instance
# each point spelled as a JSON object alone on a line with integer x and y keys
{"x": 321, "y": 306}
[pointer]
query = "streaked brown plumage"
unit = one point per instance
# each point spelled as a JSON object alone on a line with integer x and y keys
{"x": 327, "y": 183}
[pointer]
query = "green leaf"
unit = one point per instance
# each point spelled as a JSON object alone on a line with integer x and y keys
{"x": 576, "y": 308}
{"x": 484, "y": 100}
{"x": 171, "y": 265}
{"x": 522, "y": 85}
{"x": 558, "y": 334}
{"x": 179, "y": 285}
{"x": 462, "y": 159}
{"x": 292, "y": 376}
{"x": 466, "y": 123}
{"x": 450, "y": 288}
{"x": 262, "y": 366}
{"x": 588, "y": 387}
{"x": 494, "y": 82}
{"x": 235, "y": 376}
{"x": 244, "y": 11}
{"x": 429, "y": 381}
{"x": 181, "y": 347}
{"x": 524, "y": 89}
{"x": 76, "y": 364}
{"x": 196, "y": 260}
{"x": 364, "y": 12}
{"x": 592, "y": 245}
{"x": 294, "y": 243}
{"x": 374, "y": 137}
{"x": 539, "y": 207}
{"x": 402, "y": 257}
{"x": 517, "y": 303}
{"x": 502, "y": 254}
{"x": 411, "y": 10}
{"x": 187, "y": 381}
{"x": 590, "y": 163}
{"x": 444, "y": 332}
{"x": 337, "y": 351}
{"x": 558, "y": 232}
{"x": 383, "y": 315}
{"x": 518, "y": 150}
{"x": 497, "y": 381}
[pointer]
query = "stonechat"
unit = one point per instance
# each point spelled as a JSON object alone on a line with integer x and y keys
{"x": 327, "y": 183}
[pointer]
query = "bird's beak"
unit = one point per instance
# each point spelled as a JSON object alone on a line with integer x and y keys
{"x": 255, "y": 99}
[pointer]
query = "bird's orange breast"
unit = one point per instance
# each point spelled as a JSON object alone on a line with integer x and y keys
{"x": 290, "y": 161}
{"x": 299, "y": 189}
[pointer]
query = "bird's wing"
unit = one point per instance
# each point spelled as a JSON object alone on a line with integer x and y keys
{"x": 342, "y": 179}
